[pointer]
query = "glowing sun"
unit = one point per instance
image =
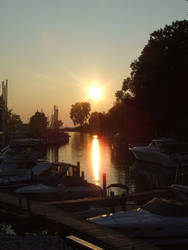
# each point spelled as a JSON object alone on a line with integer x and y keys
{"x": 95, "y": 92}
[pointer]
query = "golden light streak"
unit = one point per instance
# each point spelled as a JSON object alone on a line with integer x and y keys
{"x": 96, "y": 159}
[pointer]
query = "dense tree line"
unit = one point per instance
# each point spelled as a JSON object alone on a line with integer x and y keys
{"x": 157, "y": 87}
{"x": 159, "y": 78}
{"x": 158, "y": 84}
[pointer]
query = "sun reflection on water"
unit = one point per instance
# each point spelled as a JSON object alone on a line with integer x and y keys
{"x": 96, "y": 159}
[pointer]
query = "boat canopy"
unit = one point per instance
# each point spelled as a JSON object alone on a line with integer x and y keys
{"x": 119, "y": 185}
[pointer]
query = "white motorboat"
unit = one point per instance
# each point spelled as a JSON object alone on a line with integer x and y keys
{"x": 160, "y": 221}
{"x": 166, "y": 152}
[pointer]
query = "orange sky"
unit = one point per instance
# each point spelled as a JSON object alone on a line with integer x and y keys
{"x": 52, "y": 51}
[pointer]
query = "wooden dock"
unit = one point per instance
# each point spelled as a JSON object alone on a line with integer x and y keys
{"x": 98, "y": 235}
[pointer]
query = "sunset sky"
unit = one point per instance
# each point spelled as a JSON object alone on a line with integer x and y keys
{"x": 53, "y": 51}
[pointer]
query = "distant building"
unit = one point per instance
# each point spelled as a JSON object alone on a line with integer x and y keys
{"x": 54, "y": 117}
{"x": 3, "y": 110}
{"x": 55, "y": 123}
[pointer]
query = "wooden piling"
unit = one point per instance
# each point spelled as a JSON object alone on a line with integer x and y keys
{"x": 104, "y": 184}
{"x": 78, "y": 169}
{"x": 82, "y": 175}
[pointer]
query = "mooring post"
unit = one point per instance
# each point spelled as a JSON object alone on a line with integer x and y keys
{"x": 104, "y": 184}
{"x": 82, "y": 175}
{"x": 78, "y": 169}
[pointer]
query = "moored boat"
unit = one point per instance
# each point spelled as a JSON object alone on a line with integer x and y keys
{"x": 166, "y": 152}
{"x": 160, "y": 220}
{"x": 48, "y": 193}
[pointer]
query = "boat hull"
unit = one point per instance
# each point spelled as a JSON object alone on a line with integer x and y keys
{"x": 159, "y": 158}
{"x": 159, "y": 230}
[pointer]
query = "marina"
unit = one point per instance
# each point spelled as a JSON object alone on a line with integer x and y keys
{"x": 57, "y": 187}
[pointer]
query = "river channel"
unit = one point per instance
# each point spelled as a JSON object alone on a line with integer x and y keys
{"x": 96, "y": 157}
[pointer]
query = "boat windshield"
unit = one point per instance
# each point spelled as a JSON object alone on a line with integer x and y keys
{"x": 165, "y": 207}
{"x": 156, "y": 144}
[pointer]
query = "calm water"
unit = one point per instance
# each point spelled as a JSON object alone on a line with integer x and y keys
{"x": 95, "y": 157}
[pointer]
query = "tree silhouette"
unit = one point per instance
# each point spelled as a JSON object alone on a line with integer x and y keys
{"x": 38, "y": 124}
{"x": 13, "y": 121}
{"x": 79, "y": 112}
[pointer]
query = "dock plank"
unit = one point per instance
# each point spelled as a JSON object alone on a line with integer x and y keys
{"x": 105, "y": 237}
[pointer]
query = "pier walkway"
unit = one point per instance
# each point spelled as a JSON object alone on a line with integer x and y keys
{"x": 101, "y": 236}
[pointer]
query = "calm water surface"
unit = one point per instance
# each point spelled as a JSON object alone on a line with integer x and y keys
{"x": 95, "y": 156}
